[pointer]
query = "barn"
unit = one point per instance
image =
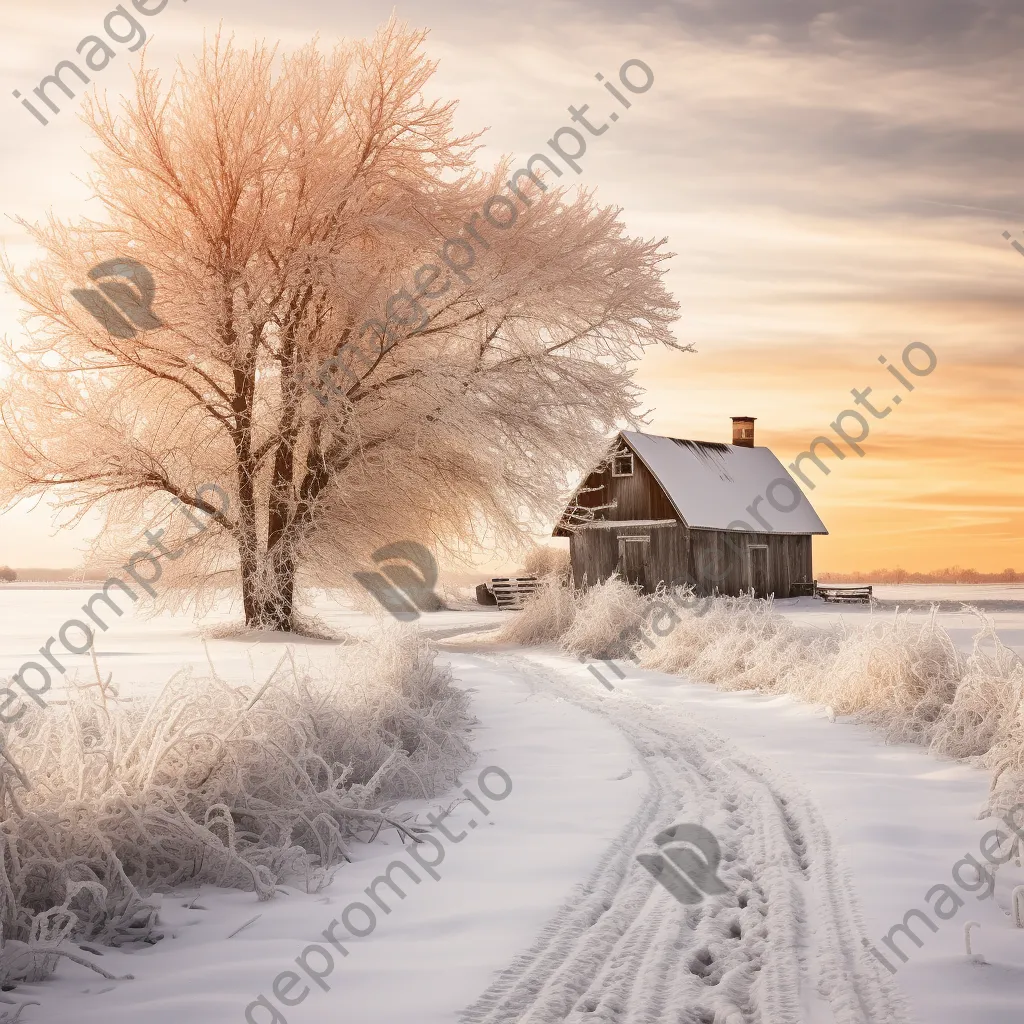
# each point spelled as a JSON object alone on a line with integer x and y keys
{"x": 724, "y": 518}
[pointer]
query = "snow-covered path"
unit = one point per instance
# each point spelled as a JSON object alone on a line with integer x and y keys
{"x": 623, "y": 949}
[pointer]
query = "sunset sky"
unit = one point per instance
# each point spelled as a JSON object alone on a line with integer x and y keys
{"x": 834, "y": 178}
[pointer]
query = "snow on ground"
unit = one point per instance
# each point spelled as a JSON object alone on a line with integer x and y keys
{"x": 997, "y": 603}
{"x": 899, "y": 820}
{"x": 828, "y": 835}
{"x": 780, "y": 945}
{"x": 144, "y": 653}
{"x": 438, "y": 947}
{"x": 983, "y": 594}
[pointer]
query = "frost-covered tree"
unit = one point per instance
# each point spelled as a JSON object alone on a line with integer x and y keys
{"x": 281, "y": 205}
{"x": 545, "y": 560}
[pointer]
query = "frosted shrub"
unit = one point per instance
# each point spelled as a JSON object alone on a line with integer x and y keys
{"x": 545, "y": 560}
{"x": 607, "y": 622}
{"x": 984, "y": 716}
{"x": 107, "y": 802}
{"x": 901, "y": 674}
{"x": 545, "y": 616}
{"x": 734, "y": 642}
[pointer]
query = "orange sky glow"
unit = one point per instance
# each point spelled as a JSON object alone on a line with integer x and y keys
{"x": 835, "y": 186}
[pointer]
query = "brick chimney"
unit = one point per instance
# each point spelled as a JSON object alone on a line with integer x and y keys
{"x": 743, "y": 431}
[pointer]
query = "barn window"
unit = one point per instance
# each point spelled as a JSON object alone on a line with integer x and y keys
{"x": 622, "y": 464}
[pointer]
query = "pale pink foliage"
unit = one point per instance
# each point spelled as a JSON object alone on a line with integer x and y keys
{"x": 279, "y": 201}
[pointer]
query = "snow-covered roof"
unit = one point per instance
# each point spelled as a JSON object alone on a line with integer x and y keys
{"x": 711, "y": 485}
{"x": 618, "y": 524}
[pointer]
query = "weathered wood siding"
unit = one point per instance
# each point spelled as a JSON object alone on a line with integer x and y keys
{"x": 637, "y": 497}
{"x": 712, "y": 561}
{"x": 720, "y": 563}
{"x": 595, "y": 553}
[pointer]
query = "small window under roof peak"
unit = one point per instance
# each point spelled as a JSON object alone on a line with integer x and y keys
{"x": 622, "y": 464}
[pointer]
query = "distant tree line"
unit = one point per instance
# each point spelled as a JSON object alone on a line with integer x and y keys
{"x": 7, "y": 574}
{"x": 954, "y": 574}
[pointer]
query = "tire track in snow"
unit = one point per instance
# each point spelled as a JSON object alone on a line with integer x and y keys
{"x": 783, "y": 946}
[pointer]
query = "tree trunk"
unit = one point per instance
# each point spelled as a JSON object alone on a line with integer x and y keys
{"x": 279, "y": 607}
{"x": 268, "y": 593}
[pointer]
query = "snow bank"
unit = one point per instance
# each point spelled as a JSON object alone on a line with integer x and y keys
{"x": 107, "y": 801}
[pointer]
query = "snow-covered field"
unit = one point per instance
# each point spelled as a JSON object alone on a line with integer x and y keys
{"x": 541, "y": 912}
{"x": 975, "y": 593}
{"x": 1004, "y": 605}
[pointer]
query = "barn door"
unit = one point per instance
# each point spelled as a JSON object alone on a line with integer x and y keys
{"x": 635, "y": 560}
{"x": 757, "y": 579}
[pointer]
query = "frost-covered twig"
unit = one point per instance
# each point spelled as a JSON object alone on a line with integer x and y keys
{"x": 967, "y": 939}
{"x": 7, "y": 1018}
{"x": 242, "y": 927}
{"x": 1017, "y": 906}
{"x": 38, "y": 954}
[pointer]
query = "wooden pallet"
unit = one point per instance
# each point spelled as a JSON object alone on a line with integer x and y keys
{"x": 511, "y": 591}
{"x": 847, "y": 595}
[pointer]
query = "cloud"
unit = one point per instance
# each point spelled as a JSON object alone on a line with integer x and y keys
{"x": 955, "y": 30}
{"x": 834, "y": 177}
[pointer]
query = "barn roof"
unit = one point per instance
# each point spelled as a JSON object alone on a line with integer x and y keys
{"x": 711, "y": 485}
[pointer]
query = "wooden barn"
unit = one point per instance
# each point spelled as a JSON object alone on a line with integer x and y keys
{"x": 724, "y": 518}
